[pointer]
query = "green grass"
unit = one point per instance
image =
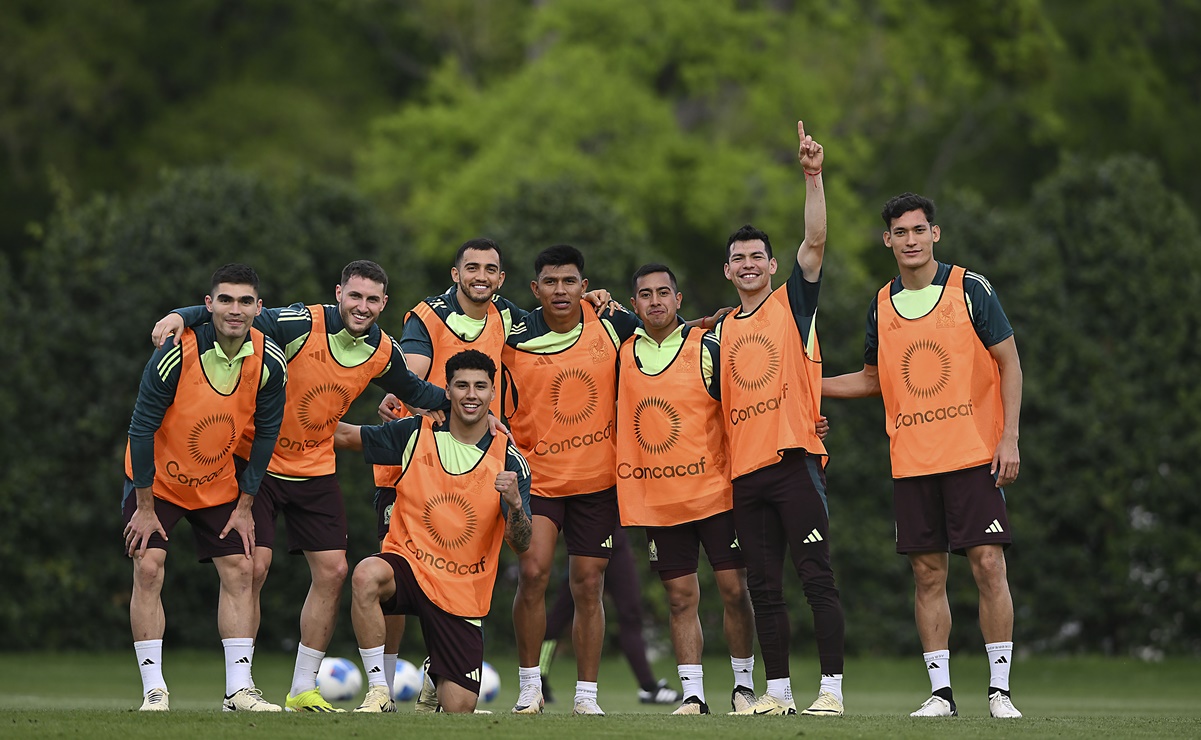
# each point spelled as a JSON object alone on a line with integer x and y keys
{"x": 45, "y": 695}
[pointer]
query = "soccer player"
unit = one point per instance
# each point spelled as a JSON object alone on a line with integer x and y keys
{"x": 440, "y": 556}
{"x": 673, "y": 477}
{"x": 771, "y": 395}
{"x": 333, "y": 352}
{"x": 194, "y": 400}
{"x": 560, "y": 399}
{"x": 941, "y": 351}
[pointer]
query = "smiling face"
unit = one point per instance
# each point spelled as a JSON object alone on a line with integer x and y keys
{"x": 656, "y": 301}
{"x": 911, "y": 237}
{"x": 478, "y": 275}
{"x": 559, "y": 289}
{"x": 233, "y": 307}
{"x": 360, "y": 302}
{"x": 470, "y": 392}
{"x": 749, "y": 267}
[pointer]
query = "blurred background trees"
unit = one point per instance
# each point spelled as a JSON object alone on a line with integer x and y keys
{"x": 145, "y": 143}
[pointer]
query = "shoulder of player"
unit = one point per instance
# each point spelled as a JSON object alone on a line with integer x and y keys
{"x": 976, "y": 284}
{"x": 528, "y": 328}
{"x": 167, "y": 361}
{"x": 442, "y": 305}
{"x": 515, "y": 460}
{"x": 273, "y": 356}
{"x": 294, "y": 312}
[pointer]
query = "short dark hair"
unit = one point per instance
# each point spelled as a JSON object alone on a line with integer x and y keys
{"x": 748, "y": 233}
{"x": 650, "y": 269}
{"x": 235, "y": 273}
{"x": 470, "y": 359}
{"x": 365, "y": 269}
{"x": 558, "y": 256}
{"x": 899, "y": 205}
{"x": 482, "y": 244}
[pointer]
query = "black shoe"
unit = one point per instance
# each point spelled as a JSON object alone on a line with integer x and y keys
{"x": 660, "y": 694}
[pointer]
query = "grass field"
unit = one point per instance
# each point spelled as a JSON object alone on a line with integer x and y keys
{"x": 95, "y": 695}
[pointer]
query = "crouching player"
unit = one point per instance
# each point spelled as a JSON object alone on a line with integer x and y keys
{"x": 440, "y": 556}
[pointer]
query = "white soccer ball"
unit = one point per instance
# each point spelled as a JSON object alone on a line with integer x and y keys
{"x": 339, "y": 679}
{"x": 406, "y": 684}
{"x": 489, "y": 682}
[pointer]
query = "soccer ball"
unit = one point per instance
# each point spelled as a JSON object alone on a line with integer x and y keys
{"x": 489, "y": 682}
{"x": 406, "y": 684}
{"x": 339, "y": 679}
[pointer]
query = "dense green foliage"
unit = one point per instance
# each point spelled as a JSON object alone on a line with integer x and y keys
{"x": 146, "y": 143}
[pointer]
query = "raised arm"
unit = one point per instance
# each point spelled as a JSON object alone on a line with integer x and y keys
{"x": 1006, "y": 461}
{"x": 861, "y": 384}
{"x": 813, "y": 249}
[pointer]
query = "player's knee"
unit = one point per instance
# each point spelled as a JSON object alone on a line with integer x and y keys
{"x": 331, "y": 572}
{"x": 148, "y": 571}
{"x": 534, "y": 575}
{"x": 366, "y": 580}
{"x": 587, "y": 585}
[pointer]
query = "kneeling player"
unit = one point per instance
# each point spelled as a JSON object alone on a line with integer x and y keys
{"x": 440, "y": 556}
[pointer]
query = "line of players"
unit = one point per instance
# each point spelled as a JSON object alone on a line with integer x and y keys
{"x": 703, "y": 437}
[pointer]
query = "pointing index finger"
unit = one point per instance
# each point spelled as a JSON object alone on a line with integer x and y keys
{"x": 800, "y": 129}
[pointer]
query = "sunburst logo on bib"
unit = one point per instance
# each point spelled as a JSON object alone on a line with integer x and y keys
{"x": 449, "y": 519}
{"x": 323, "y": 406}
{"x": 212, "y": 438}
{"x": 573, "y": 396}
{"x": 925, "y": 368}
{"x": 754, "y": 362}
{"x": 656, "y": 425}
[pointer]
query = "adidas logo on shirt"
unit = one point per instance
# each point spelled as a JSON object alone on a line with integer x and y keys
{"x": 813, "y": 537}
{"x": 544, "y": 361}
{"x": 995, "y": 527}
{"x": 894, "y": 324}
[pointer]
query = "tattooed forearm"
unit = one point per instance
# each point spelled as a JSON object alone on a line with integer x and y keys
{"x": 518, "y": 530}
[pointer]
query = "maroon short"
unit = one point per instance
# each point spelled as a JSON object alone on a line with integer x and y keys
{"x": 314, "y": 509}
{"x": 384, "y": 499}
{"x": 206, "y": 524}
{"x": 587, "y": 521}
{"x": 949, "y": 512}
{"x": 455, "y": 644}
{"x": 675, "y": 551}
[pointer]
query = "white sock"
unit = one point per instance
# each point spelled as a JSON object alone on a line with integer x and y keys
{"x": 832, "y": 683}
{"x": 239, "y": 653}
{"x": 585, "y": 690}
{"x": 692, "y": 680}
{"x": 743, "y": 671}
{"x": 304, "y": 675}
{"x": 938, "y": 665}
{"x": 373, "y": 666}
{"x": 527, "y": 676}
{"x": 390, "y": 669}
{"x": 781, "y": 688}
{"x": 150, "y": 663}
{"x": 1000, "y": 658}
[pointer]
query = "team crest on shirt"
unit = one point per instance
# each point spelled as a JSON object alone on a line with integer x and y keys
{"x": 946, "y": 317}
{"x": 759, "y": 321}
{"x": 688, "y": 361}
{"x": 599, "y": 349}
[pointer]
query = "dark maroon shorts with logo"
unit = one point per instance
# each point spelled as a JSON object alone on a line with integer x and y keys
{"x": 313, "y": 507}
{"x": 455, "y": 644}
{"x": 587, "y": 521}
{"x": 206, "y": 524}
{"x": 950, "y": 512}
{"x": 675, "y": 551}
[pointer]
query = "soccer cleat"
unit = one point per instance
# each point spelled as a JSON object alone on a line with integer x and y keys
{"x": 427, "y": 699}
{"x": 826, "y": 705}
{"x": 661, "y": 694}
{"x": 529, "y": 700}
{"x": 587, "y": 705}
{"x": 309, "y": 701}
{"x": 378, "y": 699}
{"x": 248, "y": 699}
{"x": 1001, "y": 706}
{"x": 155, "y": 701}
{"x": 741, "y": 698}
{"x": 767, "y": 704}
{"x": 692, "y": 705}
{"x": 936, "y": 706}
